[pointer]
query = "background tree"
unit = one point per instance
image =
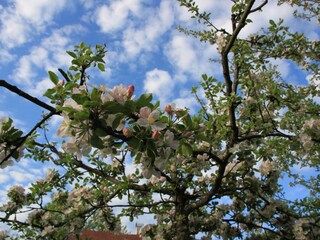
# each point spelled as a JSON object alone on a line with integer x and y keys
{"x": 216, "y": 173}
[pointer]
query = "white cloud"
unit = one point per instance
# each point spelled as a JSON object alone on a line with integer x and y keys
{"x": 144, "y": 38}
{"x": 283, "y": 66}
{"x": 38, "y": 12}
{"x": 182, "y": 53}
{"x": 3, "y": 178}
{"x": 40, "y": 88}
{"x": 16, "y": 122}
{"x": 21, "y": 176}
{"x": 6, "y": 56}
{"x": 186, "y": 100}
{"x": 114, "y": 16}
{"x": 88, "y": 4}
{"x": 49, "y": 55}
{"x": 217, "y": 9}
{"x": 159, "y": 83}
{"x": 261, "y": 19}
{"x": 188, "y": 55}
{"x": 23, "y": 19}
{"x": 55, "y": 121}
{"x": 25, "y": 72}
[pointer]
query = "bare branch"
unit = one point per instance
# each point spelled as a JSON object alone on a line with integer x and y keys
{"x": 259, "y": 8}
{"x": 25, "y": 95}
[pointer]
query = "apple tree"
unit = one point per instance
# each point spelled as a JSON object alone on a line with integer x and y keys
{"x": 219, "y": 172}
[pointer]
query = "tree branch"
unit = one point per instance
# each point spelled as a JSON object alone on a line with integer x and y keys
{"x": 226, "y": 71}
{"x": 24, "y": 138}
{"x": 259, "y": 8}
{"x": 274, "y": 134}
{"x": 240, "y": 25}
{"x": 25, "y": 95}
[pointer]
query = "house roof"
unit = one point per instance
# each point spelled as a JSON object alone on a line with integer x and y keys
{"x": 102, "y": 235}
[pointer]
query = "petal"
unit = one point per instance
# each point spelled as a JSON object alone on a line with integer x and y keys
{"x": 143, "y": 122}
{"x": 158, "y": 126}
{"x": 145, "y": 112}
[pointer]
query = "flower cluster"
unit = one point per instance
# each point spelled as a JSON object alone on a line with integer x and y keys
{"x": 3, "y": 234}
{"x": 149, "y": 118}
{"x": 266, "y": 167}
{"x": 309, "y": 130}
{"x": 303, "y": 229}
{"x": 120, "y": 93}
{"x": 66, "y": 208}
{"x": 9, "y": 143}
{"x": 221, "y": 42}
{"x": 16, "y": 194}
{"x": 84, "y": 118}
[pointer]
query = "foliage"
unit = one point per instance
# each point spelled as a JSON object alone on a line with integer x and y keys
{"x": 217, "y": 173}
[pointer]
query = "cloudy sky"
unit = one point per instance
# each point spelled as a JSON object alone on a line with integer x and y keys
{"x": 144, "y": 49}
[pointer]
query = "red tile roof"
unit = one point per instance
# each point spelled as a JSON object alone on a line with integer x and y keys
{"x": 102, "y": 235}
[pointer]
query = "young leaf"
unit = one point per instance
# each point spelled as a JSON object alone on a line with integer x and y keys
{"x": 185, "y": 149}
{"x": 144, "y": 100}
{"x": 72, "y": 54}
{"x": 53, "y": 77}
{"x": 101, "y": 67}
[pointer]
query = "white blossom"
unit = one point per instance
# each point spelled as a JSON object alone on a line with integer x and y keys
{"x": 149, "y": 118}
{"x": 47, "y": 230}
{"x": 70, "y": 103}
{"x": 221, "y": 42}
{"x": 266, "y": 167}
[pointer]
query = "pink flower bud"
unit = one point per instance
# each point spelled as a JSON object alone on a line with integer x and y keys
{"x": 168, "y": 109}
{"x": 127, "y": 132}
{"x": 130, "y": 91}
{"x": 61, "y": 82}
{"x": 155, "y": 134}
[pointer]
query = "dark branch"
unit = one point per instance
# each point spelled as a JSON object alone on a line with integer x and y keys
{"x": 259, "y": 8}
{"x": 63, "y": 73}
{"x": 25, "y": 95}
{"x": 24, "y": 138}
{"x": 274, "y": 134}
{"x": 240, "y": 25}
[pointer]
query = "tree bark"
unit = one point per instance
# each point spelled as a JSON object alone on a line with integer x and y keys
{"x": 181, "y": 229}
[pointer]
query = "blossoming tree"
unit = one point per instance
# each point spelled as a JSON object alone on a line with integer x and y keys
{"x": 217, "y": 173}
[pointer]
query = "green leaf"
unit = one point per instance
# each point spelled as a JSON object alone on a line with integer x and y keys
{"x": 135, "y": 143}
{"x": 82, "y": 115}
{"x": 15, "y": 134}
{"x": 113, "y": 107}
{"x": 100, "y": 132}
{"x": 144, "y": 100}
{"x": 80, "y": 99}
{"x": 53, "y": 77}
{"x": 187, "y": 120}
{"x": 48, "y": 93}
{"x": 95, "y": 95}
{"x": 204, "y": 77}
{"x": 101, "y": 67}
{"x": 185, "y": 149}
{"x": 272, "y": 23}
{"x": 130, "y": 106}
{"x": 97, "y": 142}
{"x": 72, "y": 54}
{"x": 117, "y": 121}
{"x": 151, "y": 154}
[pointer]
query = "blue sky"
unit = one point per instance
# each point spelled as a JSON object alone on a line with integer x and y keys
{"x": 144, "y": 49}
